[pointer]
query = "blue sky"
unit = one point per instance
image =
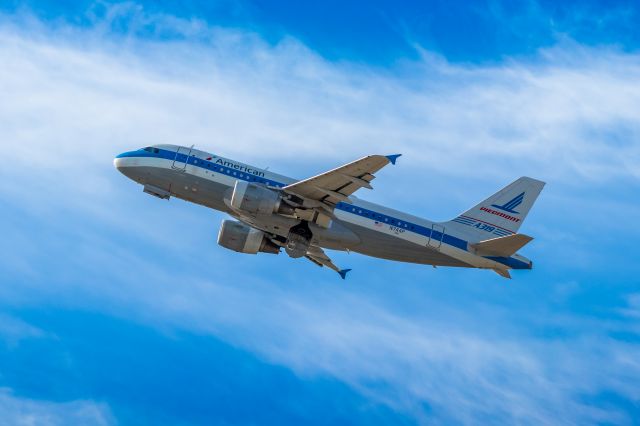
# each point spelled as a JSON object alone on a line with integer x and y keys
{"x": 118, "y": 308}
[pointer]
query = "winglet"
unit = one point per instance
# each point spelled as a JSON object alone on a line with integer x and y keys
{"x": 343, "y": 273}
{"x": 392, "y": 158}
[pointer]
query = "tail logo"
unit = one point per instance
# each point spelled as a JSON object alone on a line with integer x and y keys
{"x": 509, "y": 206}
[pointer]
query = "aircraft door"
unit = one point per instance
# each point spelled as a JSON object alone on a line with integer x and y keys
{"x": 182, "y": 158}
{"x": 437, "y": 234}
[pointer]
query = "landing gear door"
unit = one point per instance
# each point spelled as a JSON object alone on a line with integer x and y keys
{"x": 437, "y": 234}
{"x": 181, "y": 159}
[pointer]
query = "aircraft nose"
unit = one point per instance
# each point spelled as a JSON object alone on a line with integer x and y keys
{"x": 118, "y": 162}
{"x": 124, "y": 162}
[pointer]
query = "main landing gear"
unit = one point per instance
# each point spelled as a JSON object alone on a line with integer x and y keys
{"x": 298, "y": 240}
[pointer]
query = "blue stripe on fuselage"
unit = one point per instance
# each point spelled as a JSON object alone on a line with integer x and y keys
{"x": 345, "y": 207}
{"x": 510, "y": 261}
{"x": 204, "y": 164}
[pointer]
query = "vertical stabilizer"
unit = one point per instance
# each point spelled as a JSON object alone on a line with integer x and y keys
{"x": 501, "y": 214}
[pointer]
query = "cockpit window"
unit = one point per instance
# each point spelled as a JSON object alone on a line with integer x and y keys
{"x": 156, "y": 150}
{"x": 148, "y": 149}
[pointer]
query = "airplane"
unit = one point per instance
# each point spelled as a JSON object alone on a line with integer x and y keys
{"x": 272, "y": 212}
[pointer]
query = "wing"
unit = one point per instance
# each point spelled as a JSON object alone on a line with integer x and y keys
{"x": 318, "y": 256}
{"x": 336, "y": 185}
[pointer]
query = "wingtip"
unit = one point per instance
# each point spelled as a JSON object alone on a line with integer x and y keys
{"x": 343, "y": 273}
{"x": 393, "y": 158}
{"x": 503, "y": 273}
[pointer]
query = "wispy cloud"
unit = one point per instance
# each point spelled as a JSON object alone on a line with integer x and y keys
{"x": 15, "y": 410}
{"x": 633, "y": 308}
{"x": 463, "y": 361}
{"x": 79, "y": 96}
{"x": 463, "y": 373}
{"x": 558, "y": 116}
{"x": 13, "y": 330}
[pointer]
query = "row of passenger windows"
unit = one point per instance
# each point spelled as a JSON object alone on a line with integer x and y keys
{"x": 253, "y": 178}
{"x": 248, "y": 176}
{"x": 378, "y": 217}
{"x": 220, "y": 169}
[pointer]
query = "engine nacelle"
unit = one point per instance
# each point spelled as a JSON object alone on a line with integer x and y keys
{"x": 256, "y": 199}
{"x": 239, "y": 237}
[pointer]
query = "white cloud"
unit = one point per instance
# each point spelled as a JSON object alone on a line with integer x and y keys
{"x": 19, "y": 411}
{"x": 464, "y": 360}
{"x": 633, "y": 308}
{"x": 72, "y": 99}
{"x": 13, "y": 330}
{"x": 569, "y": 114}
{"x": 462, "y": 372}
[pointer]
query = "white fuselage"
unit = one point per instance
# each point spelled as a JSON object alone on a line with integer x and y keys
{"x": 360, "y": 226}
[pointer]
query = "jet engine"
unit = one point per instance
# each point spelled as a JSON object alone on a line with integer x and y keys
{"x": 239, "y": 237}
{"x": 256, "y": 199}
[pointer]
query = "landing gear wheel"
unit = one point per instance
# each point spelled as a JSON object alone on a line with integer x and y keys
{"x": 298, "y": 240}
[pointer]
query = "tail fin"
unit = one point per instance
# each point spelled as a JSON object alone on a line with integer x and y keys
{"x": 501, "y": 214}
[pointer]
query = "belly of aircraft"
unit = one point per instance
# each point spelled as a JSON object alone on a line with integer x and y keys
{"x": 378, "y": 244}
{"x": 184, "y": 186}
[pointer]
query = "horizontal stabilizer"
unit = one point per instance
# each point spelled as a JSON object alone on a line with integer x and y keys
{"x": 502, "y": 246}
